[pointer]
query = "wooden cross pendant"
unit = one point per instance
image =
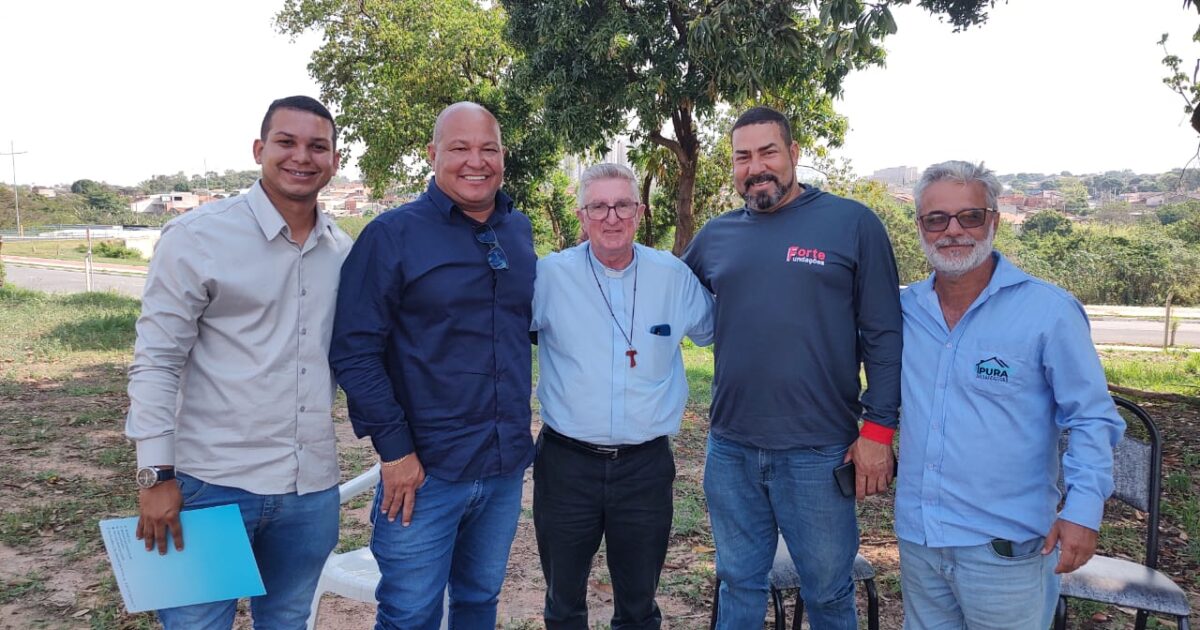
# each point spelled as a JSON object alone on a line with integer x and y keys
{"x": 631, "y": 353}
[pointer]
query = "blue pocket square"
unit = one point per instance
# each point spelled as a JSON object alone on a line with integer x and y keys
{"x": 662, "y": 330}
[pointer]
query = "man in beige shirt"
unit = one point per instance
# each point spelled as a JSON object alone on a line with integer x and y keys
{"x": 230, "y": 388}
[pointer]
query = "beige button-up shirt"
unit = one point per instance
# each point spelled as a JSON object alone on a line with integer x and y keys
{"x": 230, "y": 380}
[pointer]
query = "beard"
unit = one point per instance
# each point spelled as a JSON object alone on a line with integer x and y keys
{"x": 954, "y": 266}
{"x": 764, "y": 200}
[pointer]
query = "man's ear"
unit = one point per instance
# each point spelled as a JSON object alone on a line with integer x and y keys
{"x": 430, "y": 152}
{"x": 258, "y": 149}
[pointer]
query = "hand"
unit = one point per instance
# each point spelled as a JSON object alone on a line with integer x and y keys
{"x": 873, "y": 466}
{"x": 1076, "y": 545}
{"x": 400, "y": 483}
{"x": 160, "y": 507}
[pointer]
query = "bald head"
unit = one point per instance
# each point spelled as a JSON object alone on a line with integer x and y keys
{"x": 461, "y": 111}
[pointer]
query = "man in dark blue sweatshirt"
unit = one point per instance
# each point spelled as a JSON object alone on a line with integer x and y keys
{"x": 806, "y": 290}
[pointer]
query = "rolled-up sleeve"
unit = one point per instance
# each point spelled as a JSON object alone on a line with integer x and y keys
{"x": 174, "y": 298}
{"x": 371, "y": 287}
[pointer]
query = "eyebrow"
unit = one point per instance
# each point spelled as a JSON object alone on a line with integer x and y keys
{"x": 762, "y": 148}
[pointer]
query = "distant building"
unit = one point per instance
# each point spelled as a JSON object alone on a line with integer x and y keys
{"x": 45, "y": 191}
{"x": 167, "y": 203}
{"x": 896, "y": 175}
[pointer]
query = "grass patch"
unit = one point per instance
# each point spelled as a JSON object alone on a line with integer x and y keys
{"x": 27, "y": 585}
{"x": 690, "y": 517}
{"x": 70, "y": 250}
{"x": 1168, "y": 372}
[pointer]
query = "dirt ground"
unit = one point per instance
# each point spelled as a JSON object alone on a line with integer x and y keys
{"x": 66, "y": 463}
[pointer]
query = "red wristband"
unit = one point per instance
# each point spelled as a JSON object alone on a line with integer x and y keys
{"x": 877, "y": 432}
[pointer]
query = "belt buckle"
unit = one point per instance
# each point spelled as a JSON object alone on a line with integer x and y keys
{"x": 610, "y": 452}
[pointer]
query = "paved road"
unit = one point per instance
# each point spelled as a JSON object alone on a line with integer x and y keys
{"x": 1105, "y": 329}
{"x": 63, "y": 281}
{"x": 1143, "y": 332}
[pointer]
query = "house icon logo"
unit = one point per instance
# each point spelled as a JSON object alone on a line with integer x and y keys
{"x": 993, "y": 369}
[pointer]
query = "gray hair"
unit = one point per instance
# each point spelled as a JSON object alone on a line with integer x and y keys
{"x": 963, "y": 173}
{"x": 605, "y": 171}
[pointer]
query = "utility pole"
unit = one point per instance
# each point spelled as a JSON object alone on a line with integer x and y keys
{"x": 16, "y": 202}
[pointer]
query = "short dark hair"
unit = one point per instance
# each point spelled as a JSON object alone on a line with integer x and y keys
{"x": 301, "y": 103}
{"x": 762, "y": 114}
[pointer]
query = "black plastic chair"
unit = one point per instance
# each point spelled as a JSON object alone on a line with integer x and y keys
{"x": 784, "y": 578}
{"x": 1137, "y": 473}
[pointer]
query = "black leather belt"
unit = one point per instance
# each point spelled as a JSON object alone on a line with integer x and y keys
{"x": 614, "y": 451}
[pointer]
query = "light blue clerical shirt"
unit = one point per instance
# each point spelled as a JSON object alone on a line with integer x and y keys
{"x": 982, "y": 409}
{"x": 586, "y": 387}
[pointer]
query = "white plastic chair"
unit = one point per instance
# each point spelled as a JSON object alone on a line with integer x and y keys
{"x": 353, "y": 574}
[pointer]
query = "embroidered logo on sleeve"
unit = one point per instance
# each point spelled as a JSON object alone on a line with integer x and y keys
{"x": 807, "y": 255}
{"x": 993, "y": 369}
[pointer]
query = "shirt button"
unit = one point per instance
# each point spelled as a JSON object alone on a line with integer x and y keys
{"x": 303, "y": 331}
{"x": 304, "y": 370}
{"x": 303, "y": 291}
{"x": 302, "y": 407}
{"x": 949, "y": 345}
{"x": 929, "y": 466}
{"x": 300, "y": 447}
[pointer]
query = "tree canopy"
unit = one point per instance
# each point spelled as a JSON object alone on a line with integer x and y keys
{"x": 660, "y": 69}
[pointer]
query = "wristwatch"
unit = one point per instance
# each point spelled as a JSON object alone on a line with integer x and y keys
{"x": 150, "y": 476}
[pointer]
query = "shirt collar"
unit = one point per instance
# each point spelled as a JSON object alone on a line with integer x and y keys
{"x": 504, "y": 203}
{"x": 271, "y": 222}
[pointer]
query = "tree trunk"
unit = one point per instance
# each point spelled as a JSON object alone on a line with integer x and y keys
{"x": 685, "y": 222}
{"x": 648, "y": 219}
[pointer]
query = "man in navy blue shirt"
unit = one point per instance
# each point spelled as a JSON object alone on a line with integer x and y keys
{"x": 806, "y": 293}
{"x": 431, "y": 345}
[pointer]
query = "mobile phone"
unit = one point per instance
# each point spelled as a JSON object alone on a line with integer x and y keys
{"x": 844, "y": 476}
{"x": 1003, "y": 548}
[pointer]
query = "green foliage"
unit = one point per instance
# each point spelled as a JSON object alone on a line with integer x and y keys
{"x": 549, "y": 206}
{"x": 605, "y": 67}
{"x": 1044, "y": 223}
{"x": 100, "y": 195}
{"x": 230, "y": 180}
{"x": 389, "y": 67}
{"x": 111, "y": 249}
{"x": 1136, "y": 265}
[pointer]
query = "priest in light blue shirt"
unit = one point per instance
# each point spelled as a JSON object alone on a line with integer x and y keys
{"x": 997, "y": 364}
{"x": 609, "y": 317}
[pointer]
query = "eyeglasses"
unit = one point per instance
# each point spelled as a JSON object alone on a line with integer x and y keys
{"x": 969, "y": 218}
{"x": 599, "y": 211}
{"x": 495, "y": 255}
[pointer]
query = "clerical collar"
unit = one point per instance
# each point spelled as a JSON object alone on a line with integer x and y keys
{"x": 609, "y": 271}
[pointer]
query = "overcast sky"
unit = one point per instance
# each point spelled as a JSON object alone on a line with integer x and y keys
{"x": 122, "y": 91}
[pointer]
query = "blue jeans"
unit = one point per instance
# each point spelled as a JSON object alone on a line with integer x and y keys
{"x": 460, "y": 534}
{"x": 291, "y": 535}
{"x": 756, "y": 494}
{"x": 975, "y": 587}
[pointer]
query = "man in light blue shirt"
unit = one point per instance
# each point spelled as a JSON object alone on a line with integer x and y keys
{"x": 997, "y": 364}
{"x": 609, "y": 316}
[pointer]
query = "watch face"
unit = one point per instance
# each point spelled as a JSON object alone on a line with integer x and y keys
{"x": 147, "y": 477}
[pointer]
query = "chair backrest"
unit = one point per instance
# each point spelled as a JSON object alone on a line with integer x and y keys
{"x": 1137, "y": 470}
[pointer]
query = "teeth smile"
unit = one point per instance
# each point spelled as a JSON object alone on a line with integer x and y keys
{"x": 474, "y": 178}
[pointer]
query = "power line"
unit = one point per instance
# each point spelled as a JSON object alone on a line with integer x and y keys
{"x": 16, "y": 202}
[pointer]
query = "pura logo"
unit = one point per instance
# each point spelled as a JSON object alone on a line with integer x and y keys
{"x": 806, "y": 255}
{"x": 993, "y": 369}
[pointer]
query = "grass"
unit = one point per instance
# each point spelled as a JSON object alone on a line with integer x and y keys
{"x": 63, "y": 250}
{"x": 1169, "y": 372}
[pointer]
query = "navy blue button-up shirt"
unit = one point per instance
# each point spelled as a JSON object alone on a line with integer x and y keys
{"x": 431, "y": 344}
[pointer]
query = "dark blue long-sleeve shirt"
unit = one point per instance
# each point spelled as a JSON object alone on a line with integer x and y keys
{"x": 803, "y": 296}
{"x": 432, "y": 345}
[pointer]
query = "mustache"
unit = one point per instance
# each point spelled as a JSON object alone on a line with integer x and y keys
{"x": 761, "y": 178}
{"x": 947, "y": 241}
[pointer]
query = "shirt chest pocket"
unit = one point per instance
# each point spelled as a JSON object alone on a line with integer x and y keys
{"x": 996, "y": 369}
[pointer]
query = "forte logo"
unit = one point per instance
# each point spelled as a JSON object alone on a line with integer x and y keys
{"x": 807, "y": 255}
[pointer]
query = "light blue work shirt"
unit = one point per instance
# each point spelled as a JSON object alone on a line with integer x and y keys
{"x": 982, "y": 409}
{"x": 586, "y": 387}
